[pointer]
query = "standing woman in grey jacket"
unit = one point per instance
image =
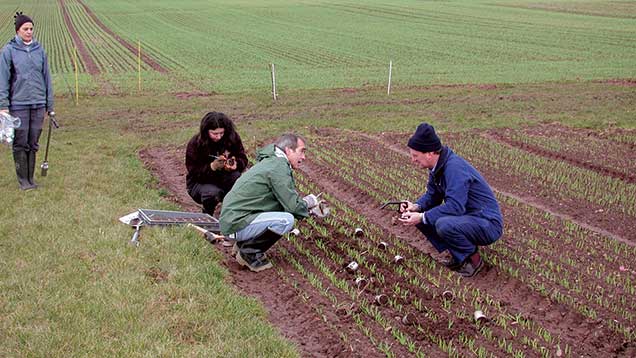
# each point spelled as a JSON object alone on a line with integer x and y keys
{"x": 25, "y": 92}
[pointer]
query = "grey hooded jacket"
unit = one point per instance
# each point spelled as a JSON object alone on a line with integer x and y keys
{"x": 24, "y": 76}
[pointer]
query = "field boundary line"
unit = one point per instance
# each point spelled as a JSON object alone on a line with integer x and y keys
{"x": 524, "y": 200}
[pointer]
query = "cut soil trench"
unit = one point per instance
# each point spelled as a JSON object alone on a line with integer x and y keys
{"x": 309, "y": 318}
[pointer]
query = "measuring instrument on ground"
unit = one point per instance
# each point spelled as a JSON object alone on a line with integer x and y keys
{"x": 148, "y": 217}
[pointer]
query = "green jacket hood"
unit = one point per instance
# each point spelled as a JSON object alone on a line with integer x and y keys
{"x": 266, "y": 152}
{"x": 268, "y": 186}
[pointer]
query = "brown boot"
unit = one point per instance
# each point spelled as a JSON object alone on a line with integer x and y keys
{"x": 255, "y": 262}
{"x": 472, "y": 265}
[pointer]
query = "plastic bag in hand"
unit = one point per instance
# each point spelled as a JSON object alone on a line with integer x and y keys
{"x": 7, "y": 125}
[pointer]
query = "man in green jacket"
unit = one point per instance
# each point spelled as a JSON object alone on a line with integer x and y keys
{"x": 263, "y": 203}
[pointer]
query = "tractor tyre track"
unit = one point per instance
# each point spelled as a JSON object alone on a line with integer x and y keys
{"x": 602, "y": 170}
{"x": 89, "y": 63}
{"x": 147, "y": 59}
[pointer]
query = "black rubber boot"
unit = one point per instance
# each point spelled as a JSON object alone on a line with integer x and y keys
{"x": 22, "y": 170}
{"x": 31, "y": 166}
{"x": 251, "y": 253}
{"x": 209, "y": 206}
{"x": 261, "y": 243}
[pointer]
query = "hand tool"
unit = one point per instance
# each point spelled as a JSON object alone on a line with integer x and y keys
{"x": 398, "y": 203}
{"x": 45, "y": 164}
{"x": 207, "y": 234}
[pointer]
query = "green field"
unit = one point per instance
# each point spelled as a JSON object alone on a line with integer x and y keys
{"x": 70, "y": 285}
{"x": 226, "y": 46}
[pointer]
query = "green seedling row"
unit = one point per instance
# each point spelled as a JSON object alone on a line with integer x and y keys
{"x": 226, "y": 46}
{"x": 370, "y": 251}
{"x": 567, "y": 272}
{"x": 559, "y": 179}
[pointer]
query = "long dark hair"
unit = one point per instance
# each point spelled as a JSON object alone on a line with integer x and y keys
{"x": 214, "y": 120}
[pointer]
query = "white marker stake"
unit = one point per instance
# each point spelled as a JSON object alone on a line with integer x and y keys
{"x": 273, "y": 82}
{"x": 388, "y": 89}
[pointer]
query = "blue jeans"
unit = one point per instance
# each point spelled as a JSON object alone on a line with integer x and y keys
{"x": 279, "y": 222}
{"x": 461, "y": 235}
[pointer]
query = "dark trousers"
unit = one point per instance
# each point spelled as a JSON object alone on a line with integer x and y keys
{"x": 209, "y": 195}
{"x": 461, "y": 235}
{"x": 28, "y": 135}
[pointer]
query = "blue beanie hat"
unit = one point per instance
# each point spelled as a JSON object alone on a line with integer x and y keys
{"x": 21, "y": 19}
{"x": 424, "y": 139}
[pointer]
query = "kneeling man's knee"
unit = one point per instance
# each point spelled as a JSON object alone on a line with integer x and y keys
{"x": 287, "y": 222}
{"x": 444, "y": 226}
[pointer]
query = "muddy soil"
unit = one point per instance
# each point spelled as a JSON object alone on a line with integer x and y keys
{"x": 293, "y": 306}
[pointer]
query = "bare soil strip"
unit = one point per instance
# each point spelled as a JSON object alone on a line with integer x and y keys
{"x": 91, "y": 66}
{"x": 337, "y": 318}
{"x": 602, "y": 170}
{"x": 147, "y": 59}
{"x": 542, "y": 207}
{"x": 291, "y": 313}
{"x": 168, "y": 165}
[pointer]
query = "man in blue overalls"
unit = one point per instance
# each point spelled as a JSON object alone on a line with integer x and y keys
{"x": 459, "y": 211}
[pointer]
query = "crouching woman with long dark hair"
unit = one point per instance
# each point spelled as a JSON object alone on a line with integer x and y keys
{"x": 215, "y": 159}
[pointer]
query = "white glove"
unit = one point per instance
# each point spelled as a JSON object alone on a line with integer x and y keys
{"x": 321, "y": 210}
{"x": 311, "y": 200}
